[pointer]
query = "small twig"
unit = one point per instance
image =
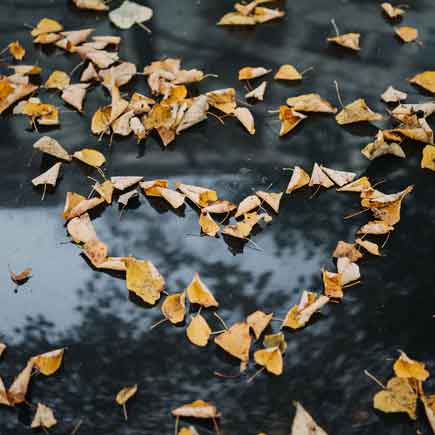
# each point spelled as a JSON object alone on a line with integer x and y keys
{"x": 338, "y": 94}
{"x": 334, "y": 25}
{"x": 146, "y": 28}
{"x": 356, "y": 213}
{"x": 177, "y": 421}
{"x": 277, "y": 319}
{"x": 158, "y": 323}
{"x": 255, "y": 375}
{"x": 124, "y": 409}
{"x": 216, "y": 116}
{"x": 43, "y": 192}
{"x": 310, "y": 68}
{"x": 217, "y": 332}
{"x": 386, "y": 239}
{"x": 223, "y": 375}
{"x": 77, "y": 427}
{"x": 76, "y": 67}
{"x": 375, "y": 379}
{"x": 315, "y": 192}
{"x": 221, "y": 320}
{"x": 352, "y": 284}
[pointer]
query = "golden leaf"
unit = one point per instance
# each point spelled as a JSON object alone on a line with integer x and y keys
{"x": 298, "y": 179}
{"x": 272, "y": 199}
{"x": 406, "y": 33}
{"x": 249, "y": 72}
{"x": 57, "y": 80}
{"x": 426, "y": 80}
{"x": 223, "y": 100}
{"x": 151, "y": 188}
{"x": 428, "y": 158}
{"x": 198, "y": 332}
{"x": 17, "y": 50}
{"x": 197, "y": 409}
{"x": 174, "y": 307}
{"x": 198, "y": 293}
{"x": 208, "y": 225}
{"x": 236, "y": 341}
{"x": 197, "y": 194}
{"x": 95, "y": 5}
{"x": 105, "y": 190}
{"x": 357, "y": 111}
{"x": 359, "y": 185}
{"x": 49, "y": 363}
{"x": 17, "y": 278}
{"x": 236, "y": 19}
{"x": 125, "y": 394}
{"x": 275, "y": 340}
{"x": 144, "y": 280}
{"x": 332, "y": 284}
{"x": 347, "y": 40}
{"x": 44, "y": 417}
{"x": 310, "y": 103}
{"x": 370, "y": 247}
{"x": 429, "y": 408}
{"x": 258, "y": 321}
{"x": 391, "y": 11}
{"x": 76, "y": 205}
{"x": 348, "y": 250}
{"x": 18, "y": 390}
{"x": 289, "y": 119}
{"x": 91, "y": 157}
{"x": 220, "y": 206}
{"x": 270, "y": 359}
{"x": 46, "y": 25}
{"x": 399, "y": 396}
{"x": 4, "y": 400}
{"x": 250, "y": 203}
{"x": 405, "y": 367}
{"x": 288, "y": 72}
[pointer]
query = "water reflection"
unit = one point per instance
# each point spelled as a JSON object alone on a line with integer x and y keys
{"x": 67, "y": 303}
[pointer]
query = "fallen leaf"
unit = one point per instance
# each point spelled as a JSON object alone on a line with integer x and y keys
{"x": 299, "y": 315}
{"x": 298, "y": 179}
{"x": 426, "y": 80}
{"x": 220, "y": 206}
{"x": 82, "y": 206}
{"x": 287, "y": 72}
{"x": 242, "y": 229}
{"x": 18, "y": 278}
{"x": 125, "y": 394}
{"x": 223, "y": 100}
{"x": 95, "y": 5}
{"x": 52, "y": 147}
{"x": 2, "y": 348}
{"x": 275, "y": 340}
{"x": 18, "y": 390}
{"x": 105, "y": 190}
{"x": 47, "y": 38}
{"x": 57, "y": 80}
{"x": 49, "y": 363}
{"x": 340, "y": 178}
{"x": 11, "y": 92}
{"x": 391, "y": 11}
{"x": 4, "y": 400}
{"x": 357, "y": 111}
{"x": 380, "y": 148}
{"x": 197, "y": 409}
{"x": 407, "y": 368}
{"x": 347, "y": 40}
{"x": 122, "y": 183}
{"x": 376, "y": 228}
{"x": 399, "y": 396}
{"x": 196, "y": 113}
{"x": 263, "y": 15}
{"x": 236, "y": 19}
{"x": 144, "y": 280}
{"x": 304, "y": 424}
{"x": 393, "y": 95}
{"x": 44, "y": 417}
{"x": 81, "y": 229}
{"x": 289, "y": 119}
{"x": 332, "y": 284}
{"x": 151, "y": 188}
{"x": 174, "y": 198}
{"x": 360, "y": 185}
{"x": 250, "y": 72}
{"x": 73, "y": 38}
{"x": 130, "y": 13}
{"x": 429, "y": 408}
{"x": 126, "y": 197}
{"x": 258, "y": 321}
{"x": 272, "y": 199}
{"x": 46, "y": 25}
{"x": 270, "y": 359}
{"x": 347, "y": 250}
{"x": 246, "y": 119}
{"x": 118, "y": 75}
{"x": 16, "y": 50}
{"x": 198, "y": 332}
{"x": 121, "y": 126}
{"x": 201, "y": 196}
{"x": 96, "y": 251}
{"x": 198, "y": 293}
{"x": 319, "y": 178}
{"x": 250, "y": 203}
{"x": 26, "y": 70}
{"x": 174, "y": 307}
{"x": 310, "y": 103}
{"x": 208, "y": 225}
{"x": 188, "y": 431}
{"x": 349, "y": 271}
{"x": 89, "y": 73}
{"x": 428, "y": 158}
{"x": 258, "y": 92}
{"x": 406, "y": 33}
{"x": 236, "y": 341}
{"x": 370, "y": 247}
{"x": 49, "y": 176}
{"x": 75, "y": 94}
{"x": 91, "y": 157}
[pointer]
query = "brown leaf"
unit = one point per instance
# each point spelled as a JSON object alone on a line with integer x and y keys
{"x": 332, "y": 284}
{"x": 18, "y": 278}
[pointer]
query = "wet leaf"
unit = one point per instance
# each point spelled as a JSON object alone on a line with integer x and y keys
{"x": 407, "y": 368}
{"x": 258, "y": 322}
{"x": 144, "y": 280}
{"x": 197, "y": 409}
{"x": 49, "y": 363}
{"x": 357, "y": 111}
{"x": 198, "y": 293}
{"x": 347, "y": 40}
{"x": 44, "y": 417}
{"x": 304, "y": 424}
{"x": 270, "y": 359}
{"x": 91, "y": 157}
{"x": 250, "y": 72}
{"x": 288, "y": 72}
{"x": 18, "y": 278}
{"x": 399, "y": 396}
{"x": 236, "y": 341}
{"x": 406, "y": 33}
{"x": 174, "y": 307}
{"x": 49, "y": 176}
{"x": 198, "y": 332}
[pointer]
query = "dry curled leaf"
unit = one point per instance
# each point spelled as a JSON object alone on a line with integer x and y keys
{"x": 263, "y": 15}
{"x": 122, "y": 183}
{"x": 380, "y": 147}
{"x": 223, "y": 100}
{"x": 130, "y": 13}
{"x": 46, "y": 25}
{"x": 174, "y": 307}
{"x": 91, "y": 157}
{"x": 347, "y": 40}
{"x": 144, "y": 280}
{"x": 75, "y": 94}
{"x": 406, "y": 33}
{"x": 289, "y": 119}
{"x": 298, "y": 179}
{"x": 370, "y": 247}
{"x": 360, "y": 185}
{"x": 44, "y": 417}
{"x": 18, "y": 278}
{"x": 271, "y": 359}
{"x": 310, "y": 103}
{"x": 258, "y": 322}
{"x": 197, "y": 409}
{"x": 201, "y": 196}
{"x": 349, "y": 271}
{"x": 340, "y": 178}
{"x": 18, "y": 390}
{"x": 57, "y": 80}
{"x": 357, "y": 111}
{"x": 399, "y": 396}
{"x": 304, "y": 424}
{"x": 332, "y": 284}
{"x": 198, "y": 332}
{"x": 319, "y": 178}
{"x": 250, "y": 203}
{"x": 236, "y": 341}
{"x": 376, "y": 228}
{"x": 49, "y": 363}
{"x": 242, "y": 229}
{"x": 348, "y": 250}
{"x": 236, "y": 19}
{"x": 220, "y": 206}
{"x": 258, "y": 92}
{"x": 287, "y": 72}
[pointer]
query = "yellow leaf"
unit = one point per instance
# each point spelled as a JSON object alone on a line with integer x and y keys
{"x": 144, "y": 280}
{"x": 49, "y": 363}
{"x": 223, "y": 100}
{"x": 198, "y": 293}
{"x": 236, "y": 341}
{"x": 289, "y": 119}
{"x": 359, "y": 185}
{"x": 304, "y": 424}
{"x": 332, "y": 284}
{"x": 272, "y": 199}
{"x": 17, "y": 51}
{"x": 406, "y": 33}
{"x": 236, "y": 19}
{"x": 197, "y": 409}
{"x": 298, "y": 179}
{"x": 405, "y": 367}
{"x": 101, "y": 120}
{"x": 310, "y": 103}
{"x": 105, "y": 190}
{"x": 263, "y": 15}
{"x": 220, "y": 206}
{"x": 198, "y": 332}
{"x": 348, "y": 40}
{"x": 249, "y": 72}
{"x": 344, "y": 249}
{"x": 96, "y": 251}
{"x": 271, "y": 359}
{"x": 248, "y": 204}
{"x": 18, "y": 390}
{"x": 399, "y": 396}
{"x": 208, "y": 225}
{"x": 258, "y": 321}
{"x": 91, "y": 157}
{"x": 46, "y": 25}
{"x": 201, "y": 196}
{"x": 57, "y": 80}
{"x": 391, "y": 11}
{"x": 174, "y": 307}
{"x": 125, "y": 394}
{"x": 426, "y": 80}
{"x": 81, "y": 229}
{"x": 428, "y": 158}
{"x": 151, "y": 188}
{"x": 275, "y": 340}
{"x": 357, "y": 111}
{"x": 429, "y": 407}
{"x": 44, "y": 417}
{"x": 288, "y": 72}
